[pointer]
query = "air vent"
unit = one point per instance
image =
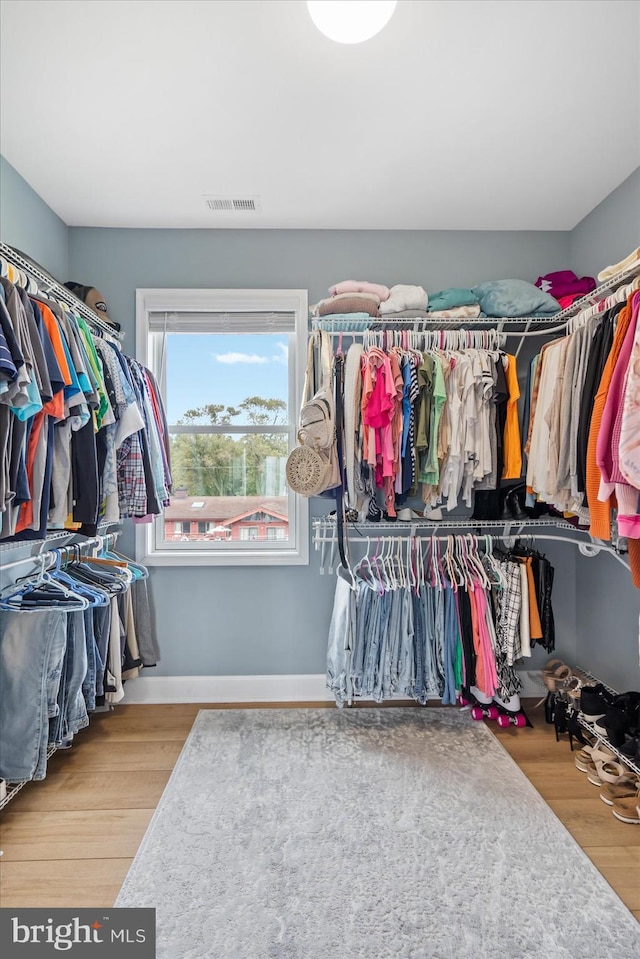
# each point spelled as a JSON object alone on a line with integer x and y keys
{"x": 233, "y": 204}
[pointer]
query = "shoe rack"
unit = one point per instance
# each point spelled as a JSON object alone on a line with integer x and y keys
{"x": 590, "y": 727}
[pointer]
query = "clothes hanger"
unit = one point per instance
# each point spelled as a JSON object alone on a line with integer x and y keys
{"x": 493, "y": 562}
{"x": 94, "y": 594}
{"x": 41, "y": 589}
{"x": 364, "y": 572}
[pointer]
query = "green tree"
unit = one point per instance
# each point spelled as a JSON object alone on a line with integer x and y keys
{"x": 248, "y": 464}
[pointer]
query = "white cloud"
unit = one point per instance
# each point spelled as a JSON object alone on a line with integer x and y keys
{"x": 231, "y": 358}
{"x": 283, "y": 355}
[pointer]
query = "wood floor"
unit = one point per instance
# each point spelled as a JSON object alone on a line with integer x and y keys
{"x": 69, "y": 840}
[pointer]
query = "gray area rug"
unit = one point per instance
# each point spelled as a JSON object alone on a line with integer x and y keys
{"x": 368, "y": 833}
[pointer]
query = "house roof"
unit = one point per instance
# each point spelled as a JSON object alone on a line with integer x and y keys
{"x": 224, "y": 508}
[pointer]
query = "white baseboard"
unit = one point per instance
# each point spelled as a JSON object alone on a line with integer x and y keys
{"x": 248, "y": 689}
{"x": 227, "y": 689}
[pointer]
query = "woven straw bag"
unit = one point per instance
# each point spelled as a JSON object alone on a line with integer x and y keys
{"x": 308, "y": 471}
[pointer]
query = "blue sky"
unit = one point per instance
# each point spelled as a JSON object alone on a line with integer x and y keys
{"x": 223, "y": 368}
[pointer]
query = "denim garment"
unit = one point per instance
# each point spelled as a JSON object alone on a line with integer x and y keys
{"x": 364, "y": 602}
{"x": 32, "y": 646}
{"x": 89, "y": 682}
{"x": 389, "y": 665}
{"x": 388, "y": 652}
{"x": 405, "y": 682}
{"x": 419, "y": 633}
{"x": 429, "y": 597}
{"x": 76, "y": 713}
{"x": 71, "y": 714}
{"x": 372, "y": 669}
{"x": 101, "y": 630}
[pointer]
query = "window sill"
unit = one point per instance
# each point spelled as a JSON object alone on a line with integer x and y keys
{"x": 231, "y": 558}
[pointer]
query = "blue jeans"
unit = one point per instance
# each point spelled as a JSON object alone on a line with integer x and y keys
{"x": 72, "y": 711}
{"x": 32, "y": 647}
{"x": 371, "y": 684}
{"x": 89, "y": 682}
{"x": 405, "y": 671}
{"x": 101, "y": 628}
{"x": 364, "y": 605}
{"x": 419, "y": 638}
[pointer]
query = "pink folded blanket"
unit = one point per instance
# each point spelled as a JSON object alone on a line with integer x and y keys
{"x": 360, "y": 286}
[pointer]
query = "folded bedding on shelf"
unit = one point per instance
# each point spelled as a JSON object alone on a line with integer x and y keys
{"x": 451, "y": 298}
{"x": 360, "y": 286}
{"x": 514, "y": 298}
{"x": 404, "y": 297}
{"x": 458, "y": 312}
{"x": 627, "y": 263}
{"x": 565, "y": 283}
{"x": 350, "y": 304}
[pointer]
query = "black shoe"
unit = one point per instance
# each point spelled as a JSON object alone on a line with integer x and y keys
{"x": 549, "y": 706}
{"x": 576, "y": 731}
{"x": 594, "y": 701}
{"x": 616, "y": 724}
{"x": 560, "y": 718}
{"x": 374, "y": 513}
{"x": 516, "y": 499}
{"x": 631, "y": 750}
{"x": 629, "y": 703}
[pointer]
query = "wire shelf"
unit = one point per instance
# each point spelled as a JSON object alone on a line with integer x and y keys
{"x": 591, "y": 727}
{"x": 51, "y": 287}
{"x": 419, "y": 324}
{"x": 53, "y": 537}
{"x": 506, "y": 527}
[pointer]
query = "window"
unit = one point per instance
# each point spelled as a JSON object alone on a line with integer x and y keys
{"x": 276, "y": 532}
{"x": 230, "y": 365}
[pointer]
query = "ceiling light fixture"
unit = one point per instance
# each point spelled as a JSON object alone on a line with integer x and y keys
{"x": 351, "y": 21}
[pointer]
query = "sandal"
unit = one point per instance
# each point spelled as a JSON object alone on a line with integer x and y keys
{"x": 557, "y": 679}
{"x": 628, "y": 809}
{"x": 551, "y": 666}
{"x": 611, "y": 772}
{"x": 629, "y": 786}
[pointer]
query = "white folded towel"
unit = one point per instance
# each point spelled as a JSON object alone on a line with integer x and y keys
{"x": 403, "y": 297}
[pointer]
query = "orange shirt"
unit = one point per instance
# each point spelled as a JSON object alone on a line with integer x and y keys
{"x": 511, "y": 443}
{"x": 599, "y": 512}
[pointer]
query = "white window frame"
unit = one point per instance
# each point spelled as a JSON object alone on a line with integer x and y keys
{"x": 294, "y": 551}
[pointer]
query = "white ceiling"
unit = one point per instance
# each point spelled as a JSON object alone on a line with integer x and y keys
{"x": 461, "y": 114}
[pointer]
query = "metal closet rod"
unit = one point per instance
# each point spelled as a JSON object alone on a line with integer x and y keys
{"x": 51, "y": 287}
{"x": 586, "y": 548}
{"x": 51, "y": 555}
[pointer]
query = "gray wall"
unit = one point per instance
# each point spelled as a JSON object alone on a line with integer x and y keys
{"x": 610, "y": 232}
{"x": 607, "y": 604}
{"x": 27, "y": 223}
{"x": 262, "y": 620}
{"x": 283, "y": 628}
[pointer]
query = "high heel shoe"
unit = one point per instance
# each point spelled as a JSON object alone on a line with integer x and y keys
{"x": 577, "y": 732}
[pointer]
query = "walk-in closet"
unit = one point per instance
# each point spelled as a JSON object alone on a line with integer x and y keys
{"x": 320, "y": 485}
